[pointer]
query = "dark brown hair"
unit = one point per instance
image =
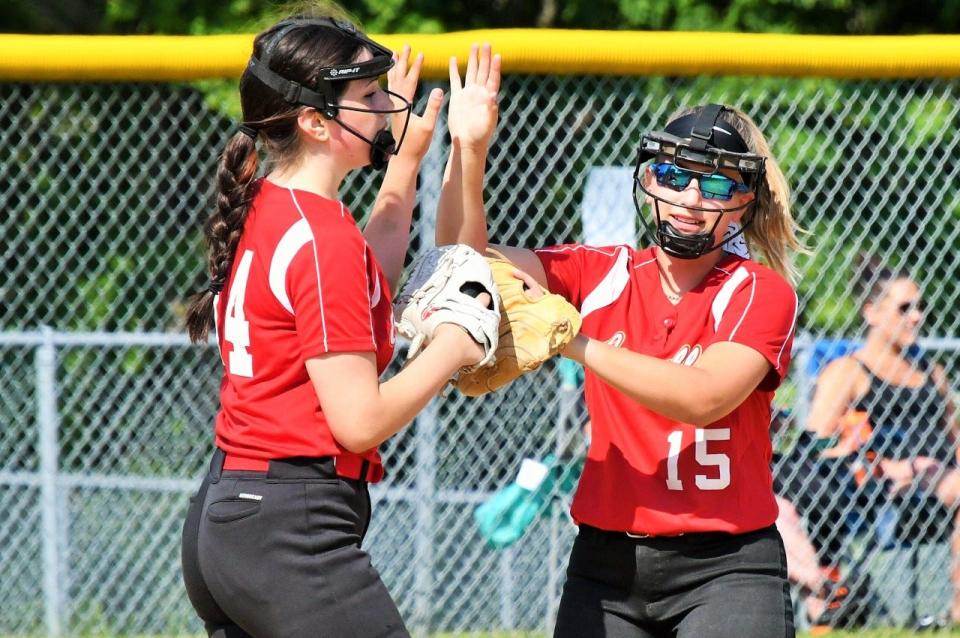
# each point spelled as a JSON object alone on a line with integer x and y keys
{"x": 873, "y": 278}
{"x": 298, "y": 56}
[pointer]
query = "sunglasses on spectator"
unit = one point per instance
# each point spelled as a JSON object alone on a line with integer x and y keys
{"x": 712, "y": 186}
{"x": 919, "y": 305}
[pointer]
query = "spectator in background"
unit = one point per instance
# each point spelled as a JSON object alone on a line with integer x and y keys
{"x": 879, "y": 415}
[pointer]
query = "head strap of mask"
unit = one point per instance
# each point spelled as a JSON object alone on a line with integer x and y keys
{"x": 323, "y": 97}
{"x": 700, "y": 142}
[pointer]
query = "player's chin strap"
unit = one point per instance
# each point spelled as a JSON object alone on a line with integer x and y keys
{"x": 694, "y": 245}
{"x": 703, "y": 143}
{"x": 324, "y": 98}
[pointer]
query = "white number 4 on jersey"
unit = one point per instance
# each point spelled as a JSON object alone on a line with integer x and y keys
{"x": 236, "y": 329}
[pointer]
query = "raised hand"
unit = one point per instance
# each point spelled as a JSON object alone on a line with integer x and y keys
{"x": 473, "y": 111}
{"x": 402, "y": 79}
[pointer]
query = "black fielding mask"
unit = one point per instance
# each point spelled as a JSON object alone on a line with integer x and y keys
{"x": 694, "y": 141}
{"x": 323, "y": 97}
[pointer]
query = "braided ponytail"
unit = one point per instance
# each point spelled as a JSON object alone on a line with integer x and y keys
{"x": 298, "y": 55}
{"x": 236, "y": 172}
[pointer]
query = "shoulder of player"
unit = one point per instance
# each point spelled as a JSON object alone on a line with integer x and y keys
{"x": 759, "y": 277}
{"x": 284, "y": 233}
{"x": 595, "y": 260}
{"x": 592, "y": 252}
{"x": 284, "y": 206}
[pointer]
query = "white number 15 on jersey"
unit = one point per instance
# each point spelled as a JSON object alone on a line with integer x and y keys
{"x": 704, "y": 459}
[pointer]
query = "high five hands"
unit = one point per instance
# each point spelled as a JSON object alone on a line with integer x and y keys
{"x": 472, "y": 116}
{"x": 402, "y": 79}
{"x": 473, "y": 111}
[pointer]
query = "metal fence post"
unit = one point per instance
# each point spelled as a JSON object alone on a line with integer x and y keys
{"x": 47, "y": 420}
{"x": 565, "y": 429}
{"x": 426, "y": 463}
{"x": 804, "y": 383}
{"x": 431, "y": 182}
{"x": 508, "y": 616}
{"x": 425, "y": 435}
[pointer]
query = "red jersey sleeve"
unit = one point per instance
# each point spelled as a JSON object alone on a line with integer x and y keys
{"x": 573, "y": 270}
{"x": 761, "y": 313}
{"x": 330, "y": 292}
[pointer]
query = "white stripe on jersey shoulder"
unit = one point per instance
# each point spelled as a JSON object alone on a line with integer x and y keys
{"x": 753, "y": 291}
{"x": 793, "y": 325}
{"x": 376, "y": 291}
{"x": 564, "y": 249}
{"x": 722, "y": 300}
{"x": 370, "y": 304}
{"x": 287, "y": 248}
{"x": 644, "y": 263}
{"x": 610, "y": 287}
{"x": 316, "y": 264}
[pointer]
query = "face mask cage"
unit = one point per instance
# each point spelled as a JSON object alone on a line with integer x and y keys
{"x": 324, "y": 99}
{"x": 701, "y": 159}
{"x": 697, "y": 155}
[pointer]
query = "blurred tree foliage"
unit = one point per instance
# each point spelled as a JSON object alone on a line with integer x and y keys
{"x": 411, "y": 16}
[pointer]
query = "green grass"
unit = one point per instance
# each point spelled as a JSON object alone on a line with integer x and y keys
{"x": 890, "y": 633}
{"x": 872, "y": 633}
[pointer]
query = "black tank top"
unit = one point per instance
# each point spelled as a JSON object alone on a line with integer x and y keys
{"x": 907, "y": 422}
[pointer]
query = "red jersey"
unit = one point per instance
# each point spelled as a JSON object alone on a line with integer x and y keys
{"x": 303, "y": 283}
{"x": 646, "y": 473}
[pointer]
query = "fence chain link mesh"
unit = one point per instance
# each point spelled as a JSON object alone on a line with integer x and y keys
{"x": 107, "y": 410}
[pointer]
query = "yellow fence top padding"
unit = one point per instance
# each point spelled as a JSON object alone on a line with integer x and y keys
{"x": 538, "y": 51}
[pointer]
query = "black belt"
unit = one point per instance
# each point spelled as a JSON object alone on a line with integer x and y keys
{"x": 292, "y": 468}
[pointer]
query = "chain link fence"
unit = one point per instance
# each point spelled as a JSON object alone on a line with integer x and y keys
{"x": 106, "y": 410}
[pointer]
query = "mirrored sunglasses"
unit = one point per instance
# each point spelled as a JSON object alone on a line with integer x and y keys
{"x": 712, "y": 186}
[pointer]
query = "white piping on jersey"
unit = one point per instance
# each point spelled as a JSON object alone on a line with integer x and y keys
{"x": 376, "y": 291}
{"x": 216, "y": 323}
{"x": 793, "y": 324}
{"x": 753, "y": 290}
{"x": 610, "y": 287}
{"x": 723, "y": 270}
{"x": 287, "y": 248}
{"x": 722, "y": 300}
{"x": 316, "y": 263}
{"x": 370, "y": 304}
{"x": 563, "y": 249}
{"x": 644, "y": 263}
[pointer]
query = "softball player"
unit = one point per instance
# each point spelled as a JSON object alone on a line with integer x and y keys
{"x": 684, "y": 345}
{"x": 302, "y": 306}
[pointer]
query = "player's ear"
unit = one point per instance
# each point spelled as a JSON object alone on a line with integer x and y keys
{"x": 736, "y": 215}
{"x": 313, "y": 125}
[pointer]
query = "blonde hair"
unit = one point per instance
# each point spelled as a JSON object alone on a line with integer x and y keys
{"x": 773, "y": 231}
